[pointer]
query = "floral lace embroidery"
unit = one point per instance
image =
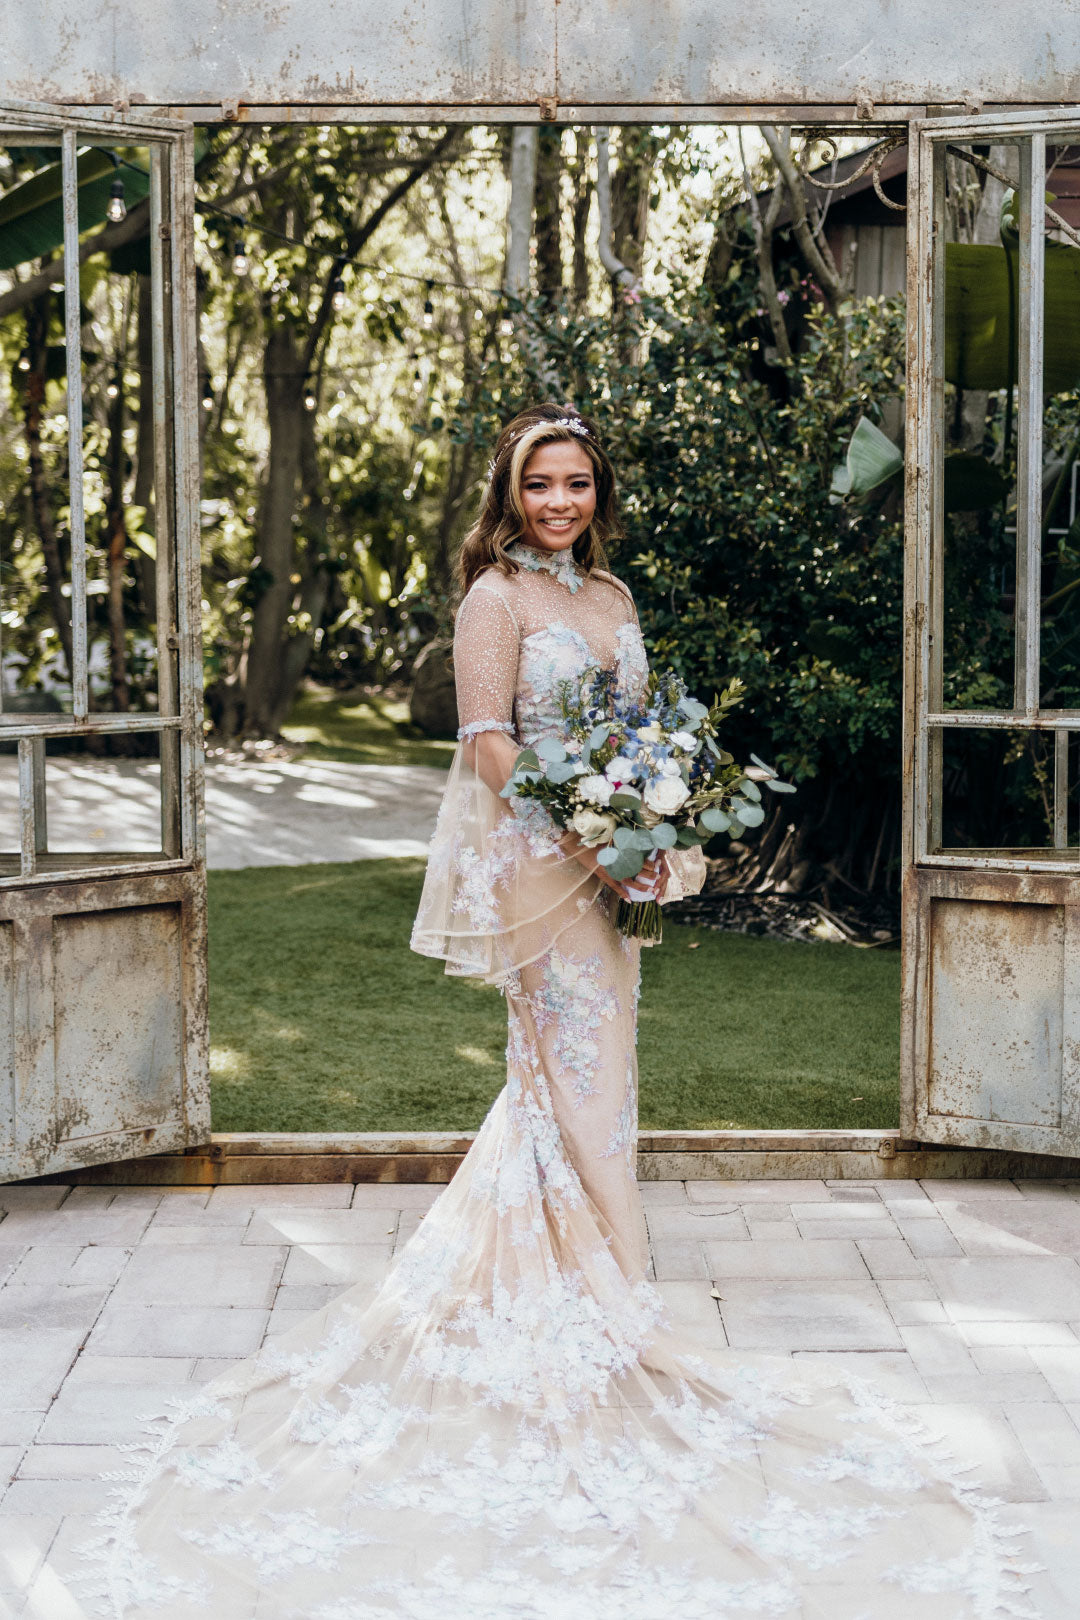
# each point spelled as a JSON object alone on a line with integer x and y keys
{"x": 631, "y": 660}
{"x": 623, "y": 1138}
{"x": 575, "y": 998}
{"x": 280, "y": 1543}
{"x": 475, "y": 727}
{"x": 561, "y": 565}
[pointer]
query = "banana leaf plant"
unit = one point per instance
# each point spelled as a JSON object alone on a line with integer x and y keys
{"x": 31, "y": 213}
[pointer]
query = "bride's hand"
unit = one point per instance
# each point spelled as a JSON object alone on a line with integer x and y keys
{"x": 649, "y": 884}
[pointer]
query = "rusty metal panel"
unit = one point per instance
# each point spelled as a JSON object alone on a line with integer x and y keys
{"x": 510, "y": 54}
{"x": 118, "y": 1020}
{"x": 997, "y": 1000}
{"x": 103, "y": 1036}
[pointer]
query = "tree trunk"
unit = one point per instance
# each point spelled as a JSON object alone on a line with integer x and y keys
{"x": 315, "y": 577}
{"x": 284, "y": 381}
{"x": 581, "y": 205}
{"x": 549, "y": 266}
{"x": 142, "y": 493}
{"x": 37, "y": 329}
{"x": 115, "y": 551}
{"x": 631, "y": 183}
{"x": 519, "y": 218}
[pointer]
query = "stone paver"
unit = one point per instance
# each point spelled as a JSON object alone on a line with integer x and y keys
{"x": 961, "y": 1299}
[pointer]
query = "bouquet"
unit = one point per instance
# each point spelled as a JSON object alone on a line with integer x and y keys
{"x": 631, "y": 777}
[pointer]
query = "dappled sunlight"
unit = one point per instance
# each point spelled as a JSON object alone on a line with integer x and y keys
{"x": 474, "y": 1054}
{"x": 229, "y": 1066}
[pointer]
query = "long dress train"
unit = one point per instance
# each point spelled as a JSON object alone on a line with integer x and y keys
{"x": 511, "y": 1428}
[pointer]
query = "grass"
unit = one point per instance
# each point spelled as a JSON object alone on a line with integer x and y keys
{"x": 322, "y": 1019}
{"x": 362, "y": 728}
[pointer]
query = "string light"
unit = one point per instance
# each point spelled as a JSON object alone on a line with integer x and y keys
{"x": 208, "y": 395}
{"x": 24, "y": 361}
{"x": 506, "y": 327}
{"x": 337, "y": 286}
{"x": 310, "y": 398}
{"x": 429, "y": 310}
{"x": 240, "y": 262}
{"x": 113, "y": 387}
{"x": 117, "y": 208}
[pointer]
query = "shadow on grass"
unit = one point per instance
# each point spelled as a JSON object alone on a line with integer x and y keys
{"x": 361, "y": 728}
{"x": 322, "y": 1019}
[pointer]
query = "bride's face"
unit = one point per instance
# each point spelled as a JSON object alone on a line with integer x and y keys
{"x": 558, "y": 494}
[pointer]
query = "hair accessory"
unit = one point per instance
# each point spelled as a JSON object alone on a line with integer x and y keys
{"x": 574, "y": 423}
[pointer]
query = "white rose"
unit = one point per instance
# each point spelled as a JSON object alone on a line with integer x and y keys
{"x": 597, "y": 789}
{"x": 684, "y": 739}
{"x": 592, "y": 827}
{"x": 618, "y": 770}
{"x": 666, "y": 795}
{"x": 669, "y": 767}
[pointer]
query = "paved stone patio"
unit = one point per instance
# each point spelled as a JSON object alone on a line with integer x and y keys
{"x": 961, "y": 1296}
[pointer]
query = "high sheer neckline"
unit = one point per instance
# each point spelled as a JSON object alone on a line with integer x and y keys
{"x": 561, "y": 565}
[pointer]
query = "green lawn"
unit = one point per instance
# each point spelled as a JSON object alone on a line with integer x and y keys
{"x": 321, "y": 1018}
{"x": 362, "y": 728}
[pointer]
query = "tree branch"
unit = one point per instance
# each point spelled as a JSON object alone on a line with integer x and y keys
{"x": 819, "y": 259}
{"x": 363, "y": 233}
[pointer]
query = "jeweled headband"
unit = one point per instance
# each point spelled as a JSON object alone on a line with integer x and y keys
{"x": 574, "y": 423}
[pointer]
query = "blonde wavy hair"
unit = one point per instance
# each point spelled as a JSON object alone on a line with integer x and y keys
{"x": 502, "y": 513}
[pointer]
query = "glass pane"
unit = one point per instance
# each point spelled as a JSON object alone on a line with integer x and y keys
{"x": 1010, "y": 791}
{"x": 1059, "y": 685}
{"x": 118, "y": 356}
{"x": 35, "y": 548}
{"x": 979, "y": 429}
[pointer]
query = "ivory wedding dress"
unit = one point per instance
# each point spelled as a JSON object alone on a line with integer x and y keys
{"x": 511, "y": 1427}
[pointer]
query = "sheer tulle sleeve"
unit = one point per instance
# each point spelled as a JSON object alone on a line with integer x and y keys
{"x": 498, "y": 890}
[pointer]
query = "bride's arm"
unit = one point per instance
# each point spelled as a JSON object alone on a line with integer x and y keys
{"x": 485, "y": 675}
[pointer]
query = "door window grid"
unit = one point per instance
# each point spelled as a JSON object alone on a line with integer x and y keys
{"x": 934, "y": 721}
{"x": 178, "y": 716}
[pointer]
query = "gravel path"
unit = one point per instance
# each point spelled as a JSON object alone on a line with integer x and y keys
{"x": 257, "y": 814}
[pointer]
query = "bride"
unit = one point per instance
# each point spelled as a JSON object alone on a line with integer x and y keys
{"x": 512, "y": 1428}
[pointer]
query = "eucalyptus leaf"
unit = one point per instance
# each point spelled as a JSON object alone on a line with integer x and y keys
{"x": 627, "y": 864}
{"x": 598, "y": 736}
{"x": 562, "y": 770}
{"x": 625, "y": 799}
{"x": 664, "y": 835}
{"x": 715, "y": 819}
{"x": 550, "y": 748}
{"x": 688, "y": 837}
{"x": 528, "y": 756}
{"x": 780, "y": 787}
{"x": 751, "y": 815}
{"x": 748, "y": 789}
{"x": 624, "y": 837}
{"x": 643, "y": 839}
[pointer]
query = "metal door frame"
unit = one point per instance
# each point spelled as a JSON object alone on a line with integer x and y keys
{"x": 931, "y": 874}
{"x": 39, "y": 901}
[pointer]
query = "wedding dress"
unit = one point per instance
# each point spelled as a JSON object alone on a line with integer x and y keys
{"x": 511, "y": 1427}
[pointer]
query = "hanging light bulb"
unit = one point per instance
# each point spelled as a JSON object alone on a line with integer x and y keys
{"x": 418, "y": 382}
{"x": 477, "y": 314}
{"x": 310, "y": 400}
{"x": 429, "y": 310}
{"x": 240, "y": 262}
{"x": 24, "y": 361}
{"x": 113, "y": 387}
{"x": 208, "y": 395}
{"x": 117, "y": 209}
{"x": 337, "y": 287}
{"x": 506, "y": 327}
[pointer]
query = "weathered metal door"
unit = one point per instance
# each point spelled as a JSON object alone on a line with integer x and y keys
{"x": 103, "y": 1048}
{"x": 992, "y": 885}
